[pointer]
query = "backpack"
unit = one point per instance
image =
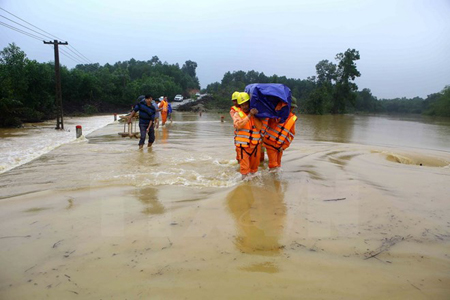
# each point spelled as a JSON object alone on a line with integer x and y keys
{"x": 146, "y": 112}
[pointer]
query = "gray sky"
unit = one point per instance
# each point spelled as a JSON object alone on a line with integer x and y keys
{"x": 404, "y": 45}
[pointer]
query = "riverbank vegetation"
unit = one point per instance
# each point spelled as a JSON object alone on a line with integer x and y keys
{"x": 332, "y": 91}
{"x": 27, "y": 90}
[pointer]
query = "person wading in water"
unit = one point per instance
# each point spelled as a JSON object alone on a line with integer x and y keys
{"x": 247, "y": 136}
{"x": 146, "y": 120}
{"x": 278, "y": 137}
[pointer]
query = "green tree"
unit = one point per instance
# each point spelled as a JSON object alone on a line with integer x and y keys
{"x": 40, "y": 94}
{"x": 345, "y": 89}
{"x": 316, "y": 101}
{"x": 13, "y": 78}
{"x": 23, "y": 88}
{"x": 441, "y": 104}
{"x": 189, "y": 67}
{"x": 365, "y": 101}
{"x": 326, "y": 73}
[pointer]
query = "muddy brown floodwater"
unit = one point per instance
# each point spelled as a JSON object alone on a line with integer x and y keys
{"x": 361, "y": 210}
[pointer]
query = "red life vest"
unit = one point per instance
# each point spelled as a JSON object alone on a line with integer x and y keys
{"x": 249, "y": 135}
{"x": 281, "y": 133}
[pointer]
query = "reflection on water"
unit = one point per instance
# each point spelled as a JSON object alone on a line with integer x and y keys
{"x": 332, "y": 128}
{"x": 403, "y": 131}
{"x": 162, "y": 133}
{"x": 149, "y": 198}
{"x": 260, "y": 213}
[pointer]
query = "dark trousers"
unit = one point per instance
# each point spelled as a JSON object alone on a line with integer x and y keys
{"x": 151, "y": 133}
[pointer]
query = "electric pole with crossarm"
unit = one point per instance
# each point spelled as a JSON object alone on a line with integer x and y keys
{"x": 58, "y": 95}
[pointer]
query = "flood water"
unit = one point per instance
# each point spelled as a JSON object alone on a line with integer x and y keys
{"x": 361, "y": 210}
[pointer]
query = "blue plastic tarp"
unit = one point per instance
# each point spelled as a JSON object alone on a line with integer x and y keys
{"x": 266, "y": 97}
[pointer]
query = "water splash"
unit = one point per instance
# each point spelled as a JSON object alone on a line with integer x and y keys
{"x": 22, "y": 145}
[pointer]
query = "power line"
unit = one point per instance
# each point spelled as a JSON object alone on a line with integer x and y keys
{"x": 30, "y": 24}
{"x": 80, "y": 53}
{"x": 21, "y": 31}
{"x": 39, "y": 39}
{"x": 84, "y": 57}
{"x": 76, "y": 57}
{"x": 88, "y": 66}
{"x": 26, "y": 27}
{"x": 70, "y": 56}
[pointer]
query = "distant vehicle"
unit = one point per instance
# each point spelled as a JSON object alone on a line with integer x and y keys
{"x": 197, "y": 94}
{"x": 178, "y": 98}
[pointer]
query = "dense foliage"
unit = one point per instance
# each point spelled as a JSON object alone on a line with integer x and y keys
{"x": 331, "y": 90}
{"x": 27, "y": 90}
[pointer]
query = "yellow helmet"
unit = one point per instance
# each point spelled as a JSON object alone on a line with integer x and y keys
{"x": 242, "y": 98}
{"x": 234, "y": 96}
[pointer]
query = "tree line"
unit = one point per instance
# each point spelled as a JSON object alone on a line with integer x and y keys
{"x": 27, "y": 88}
{"x": 331, "y": 91}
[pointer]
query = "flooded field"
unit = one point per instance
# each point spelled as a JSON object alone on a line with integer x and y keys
{"x": 361, "y": 210}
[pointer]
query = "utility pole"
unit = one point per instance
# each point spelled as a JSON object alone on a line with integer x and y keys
{"x": 58, "y": 95}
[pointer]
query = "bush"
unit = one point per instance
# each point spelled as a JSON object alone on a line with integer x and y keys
{"x": 30, "y": 115}
{"x": 12, "y": 122}
{"x": 90, "y": 109}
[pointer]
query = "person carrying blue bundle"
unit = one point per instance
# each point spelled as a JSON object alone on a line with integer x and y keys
{"x": 272, "y": 100}
{"x": 248, "y": 136}
{"x": 146, "y": 119}
{"x": 278, "y": 137}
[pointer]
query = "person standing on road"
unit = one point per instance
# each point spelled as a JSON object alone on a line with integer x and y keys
{"x": 146, "y": 120}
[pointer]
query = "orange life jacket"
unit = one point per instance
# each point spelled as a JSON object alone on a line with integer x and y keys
{"x": 164, "y": 105}
{"x": 265, "y": 123}
{"x": 248, "y": 135}
{"x": 281, "y": 133}
{"x": 235, "y": 108}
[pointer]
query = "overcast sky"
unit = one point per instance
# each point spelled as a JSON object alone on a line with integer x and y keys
{"x": 404, "y": 45}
